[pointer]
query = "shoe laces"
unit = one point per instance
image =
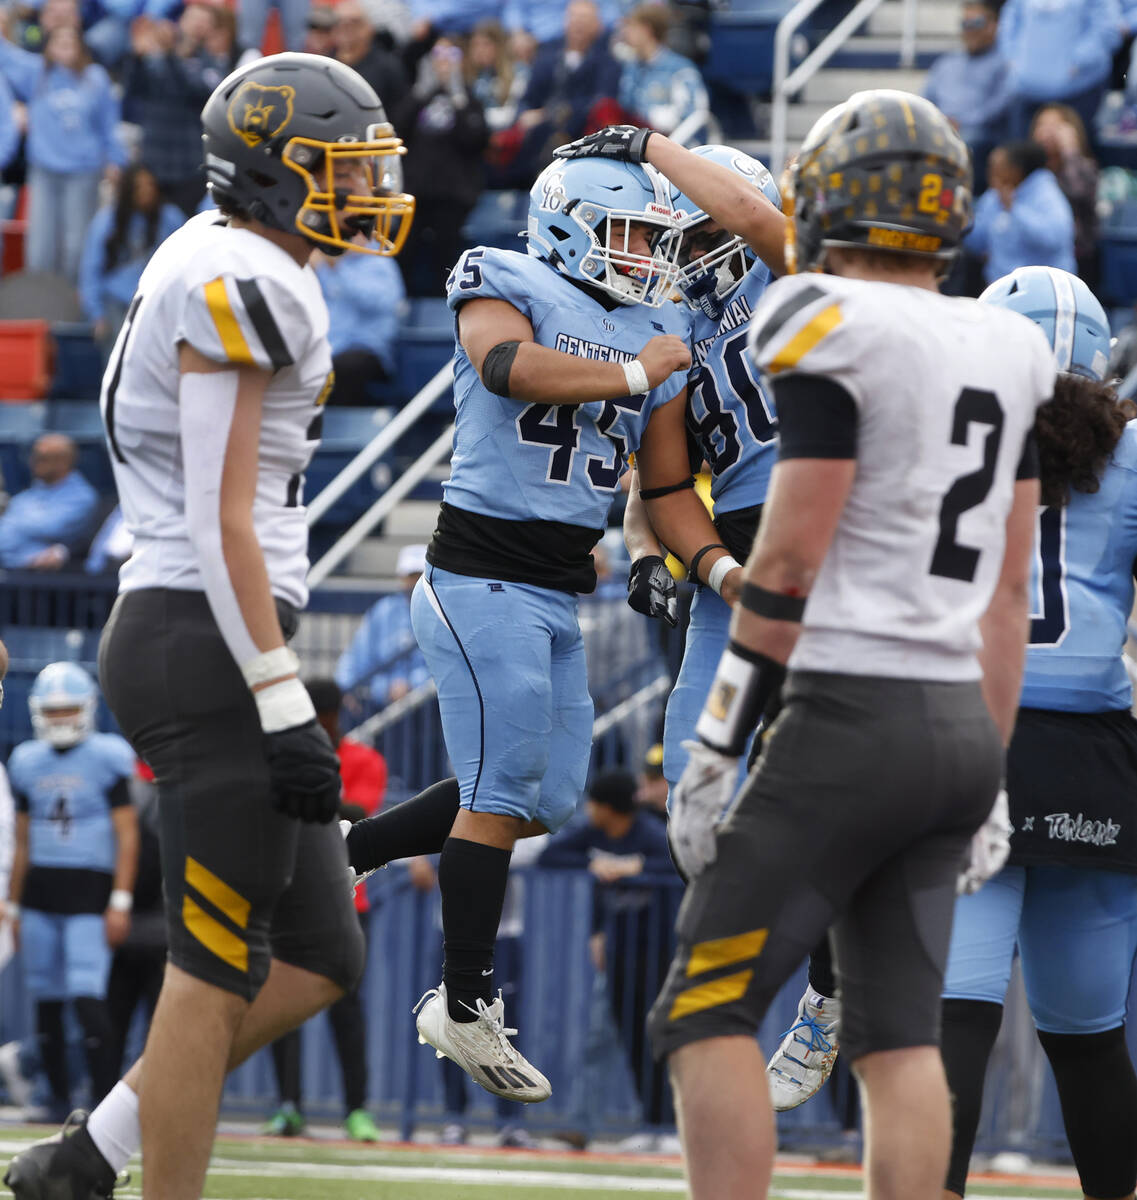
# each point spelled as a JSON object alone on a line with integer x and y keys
{"x": 425, "y": 997}
{"x": 492, "y": 1017}
{"x": 817, "y": 1041}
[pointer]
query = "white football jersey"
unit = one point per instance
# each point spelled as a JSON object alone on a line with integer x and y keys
{"x": 946, "y": 391}
{"x": 235, "y": 297}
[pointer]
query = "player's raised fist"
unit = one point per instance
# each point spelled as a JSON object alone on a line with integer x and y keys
{"x": 664, "y": 355}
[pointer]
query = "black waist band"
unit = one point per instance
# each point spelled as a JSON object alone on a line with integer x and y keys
{"x": 738, "y": 530}
{"x": 67, "y": 890}
{"x": 193, "y": 605}
{"x": 551, "y": 554}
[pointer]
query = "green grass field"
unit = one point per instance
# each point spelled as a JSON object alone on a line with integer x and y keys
{"x": 267, "y": 1169}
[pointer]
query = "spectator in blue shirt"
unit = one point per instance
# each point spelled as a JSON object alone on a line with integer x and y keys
{"x": 109, "y": 35}
{"x": 1023, "y": 219}
{"x": 455, "y": 16}
{"x": 72, "y": 120}
{"x": 972, "y": 86}
{"x": 661, "y": 88}
{"x": 1058, "y": 50}
{"x": 37, "y": 25}
{"x": 570, "y": 77}
{"x": 44, "y": 524}
{"x": 383, "y": 654}
{"x": 364, "y": 294}
{"x": 544, "y": 19}
{"x": 118, "y": 246}
{"x": 253, "y": 17}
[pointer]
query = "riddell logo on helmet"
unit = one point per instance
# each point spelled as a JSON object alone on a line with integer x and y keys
{"x": 896, "y": 239}
{"x": 258, "y": 112}
{"x": 661, "y": 210}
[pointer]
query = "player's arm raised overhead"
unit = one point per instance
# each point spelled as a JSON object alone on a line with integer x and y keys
{"x": 721, "y": 193}
{"x": 1005, "y": 625}
{"x": 499, "y": 342}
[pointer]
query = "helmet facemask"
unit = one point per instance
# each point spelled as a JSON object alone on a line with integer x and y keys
{"x": 354, "y": 187}
{"x": 624, "y": 274}
{"x": 708, "y": 278}
{"x": 62, "y": 721}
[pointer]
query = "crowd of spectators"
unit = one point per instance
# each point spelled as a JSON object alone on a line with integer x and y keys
{"x": 480, "y": 90}
{"x": 1025, "y": 90}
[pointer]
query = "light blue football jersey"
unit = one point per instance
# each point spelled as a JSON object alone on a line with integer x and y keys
{"x": 523, "y": 462}
{"x": 730, "y": 416}
{"x": 1083, "y": 593}
{"x": 67, "y": 795}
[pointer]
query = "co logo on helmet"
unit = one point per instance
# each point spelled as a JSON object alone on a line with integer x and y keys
{"x": 258, "y": 112}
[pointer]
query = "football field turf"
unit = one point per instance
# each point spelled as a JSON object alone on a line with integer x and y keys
{"x": 271, "y": 1169}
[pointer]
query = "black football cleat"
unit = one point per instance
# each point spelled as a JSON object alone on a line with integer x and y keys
{"x": 65, "y": 1166}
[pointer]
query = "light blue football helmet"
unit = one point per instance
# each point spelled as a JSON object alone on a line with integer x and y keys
{"x": 62, "y": 703}
{"x": 580, "y": 214}
{"x": 708, "y": 280}
{"x": 1065, "y": 309}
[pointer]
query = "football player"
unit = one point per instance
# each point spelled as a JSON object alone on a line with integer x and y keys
{"x": 1067, "y": 898}
{"x": 733, "y": 239}
{"x": 890, "y": 573}
{"x": 212, "y": 404}
{"x": 72, "y": 882}
{"x": 569, "y": 359}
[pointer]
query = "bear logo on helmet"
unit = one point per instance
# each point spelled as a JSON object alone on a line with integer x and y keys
{"x": 258, "y": 112}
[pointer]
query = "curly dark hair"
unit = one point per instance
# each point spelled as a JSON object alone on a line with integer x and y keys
{"x": 1077, "y": 432}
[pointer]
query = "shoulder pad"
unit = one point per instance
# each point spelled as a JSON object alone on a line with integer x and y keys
{"x": 488, "y": 273}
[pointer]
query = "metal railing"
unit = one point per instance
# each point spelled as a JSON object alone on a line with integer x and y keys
{"x": 787, "y": 84}
{"x": 399, "y": 490}
{"x": 402, "y": 421}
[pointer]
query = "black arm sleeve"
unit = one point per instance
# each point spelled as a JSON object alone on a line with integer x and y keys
{"x": 817, "y": 418}
{"x": 1028, "y": 464}
{"x": 119, "y": 795}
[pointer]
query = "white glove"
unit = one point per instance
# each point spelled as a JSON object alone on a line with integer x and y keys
{"x": 989, "y": 848}
{"x": 701, "y": 796}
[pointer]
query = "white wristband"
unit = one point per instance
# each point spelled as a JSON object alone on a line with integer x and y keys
{"x": 272, "y": 664}
{"x": 729, "y": 715}
{"x": 719, "y": 571}
{"x": 284, "y": 705}
{"x": 636, "y": 378}
{"x": 121, "y": 900}
{"x": 13, "y": 910}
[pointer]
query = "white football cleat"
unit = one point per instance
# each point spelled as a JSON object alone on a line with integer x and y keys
{"x": 804, "y": 1060}
{"x": 480, "y": 1047}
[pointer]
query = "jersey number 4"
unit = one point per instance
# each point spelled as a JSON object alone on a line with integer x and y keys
{"x": 556, "y": 426}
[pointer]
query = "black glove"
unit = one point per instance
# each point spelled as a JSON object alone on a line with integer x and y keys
{"x": 625, "y": 143}
{"x": 651, "y": 589}
{"x": 304, "y": 773}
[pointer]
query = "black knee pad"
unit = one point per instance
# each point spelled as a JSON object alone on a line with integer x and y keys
{"x": 1097, "y": 1088}
{"x": 969, "y": 1030}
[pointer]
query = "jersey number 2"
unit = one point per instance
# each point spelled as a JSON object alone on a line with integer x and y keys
{"x": 974, "y": 406}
